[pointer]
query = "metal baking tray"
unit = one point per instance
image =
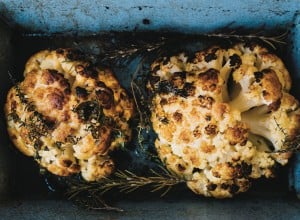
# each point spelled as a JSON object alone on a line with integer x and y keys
{"x": 29, "y": 26}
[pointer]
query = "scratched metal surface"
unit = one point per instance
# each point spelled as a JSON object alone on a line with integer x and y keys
{"x": 256, "y": 208}
{"x": 89, "y": 18}
{"x": 73, "y": 16}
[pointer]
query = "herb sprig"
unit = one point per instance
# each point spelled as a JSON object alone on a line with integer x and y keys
{"x": 272, "y": 41}
{"x": 124, "y": 181}
{"x": 36, "y": 124}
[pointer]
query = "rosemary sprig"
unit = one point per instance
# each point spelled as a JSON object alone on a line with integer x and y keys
{"x": 126, "y": 182}
{"x": 123, "y": 52}
{"x": 270, "y": 40}
{"x": 90, "y": 195}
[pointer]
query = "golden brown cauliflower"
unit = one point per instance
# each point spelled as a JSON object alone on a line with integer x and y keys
{"x": 223, "y": 118}
{"x": 68, "y": 114}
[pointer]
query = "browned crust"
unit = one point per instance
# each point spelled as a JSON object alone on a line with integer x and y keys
{"x": 55, "y": 84}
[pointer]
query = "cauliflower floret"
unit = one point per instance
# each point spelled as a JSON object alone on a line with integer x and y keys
{"x": 256, "y": 88}
{"x": 278, "y": 125}
{"x": 265, "y": 60}
{"x": 96, "y": 166}
{"x": 69, "y": 114}
{"x": 216, "y": 117}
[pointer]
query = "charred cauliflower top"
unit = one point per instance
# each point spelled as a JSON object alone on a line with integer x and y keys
{"x": 223, "y": 117}
{"x": 68, "y": 114}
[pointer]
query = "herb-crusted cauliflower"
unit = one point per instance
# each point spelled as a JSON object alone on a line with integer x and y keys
{"x": 223, "y": 118}
{"x": 68, "y": 114}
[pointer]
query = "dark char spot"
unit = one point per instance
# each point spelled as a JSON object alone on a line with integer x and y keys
{"x": 235, "y": 61}
{"x": 146, "y": 21}
{"x": 81, "y": 92}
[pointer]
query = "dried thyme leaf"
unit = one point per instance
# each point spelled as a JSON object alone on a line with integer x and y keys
{"x": 292, "y": 143}
{"x": 72, "y": 139}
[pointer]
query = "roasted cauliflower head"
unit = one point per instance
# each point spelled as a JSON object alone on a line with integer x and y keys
{"x": 223, "y": 117}
{"x": 69, "y": 114}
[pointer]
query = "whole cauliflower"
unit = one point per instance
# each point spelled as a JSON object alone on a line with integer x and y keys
{"x": 68, "y": 114}
{"x": 223, "y": 117}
